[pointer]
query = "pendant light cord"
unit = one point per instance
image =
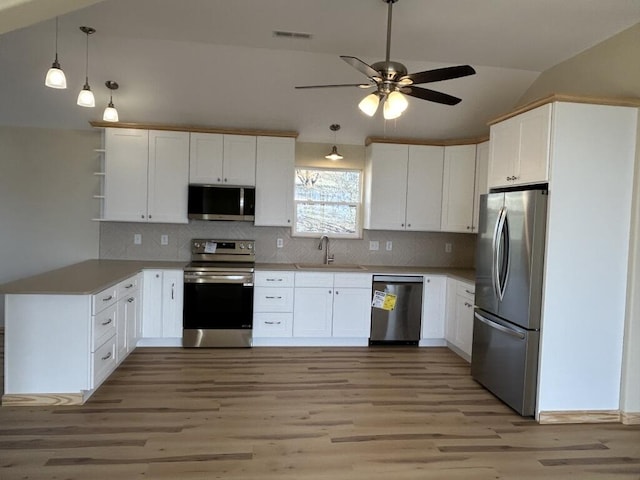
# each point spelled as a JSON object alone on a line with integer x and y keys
{"x": 56, "y": 39}
{"x": 86, "y": 70}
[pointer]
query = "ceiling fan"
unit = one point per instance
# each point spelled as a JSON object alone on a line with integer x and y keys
{"x": 392, "y": 82}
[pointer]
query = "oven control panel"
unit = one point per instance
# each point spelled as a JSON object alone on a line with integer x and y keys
{"x": 203, "y": 246}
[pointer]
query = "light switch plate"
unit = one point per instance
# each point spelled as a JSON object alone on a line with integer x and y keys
{"x": 137, "y": 239}
{"x": 279, "y": 243}
{"x": 374, "y": 245}
{"x": 389, "y": 245}
{"x": 164, "y": 239}
{"x": 447, "y": 248}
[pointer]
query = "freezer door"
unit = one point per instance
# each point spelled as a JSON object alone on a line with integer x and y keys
{"x": 402, "y": 324}
{"x": 505, "y": 360}
{"x": 522, "y": 250}
{"x": 490, "y": 211}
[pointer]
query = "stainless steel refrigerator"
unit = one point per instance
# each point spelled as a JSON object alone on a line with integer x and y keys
{"x": 509, "y": 274}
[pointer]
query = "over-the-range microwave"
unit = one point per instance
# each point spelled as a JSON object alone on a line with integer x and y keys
{"x": 222, "y": 202}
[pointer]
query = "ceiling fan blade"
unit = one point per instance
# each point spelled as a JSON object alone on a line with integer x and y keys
{"x": 359, "y": 85}
{"x": 430, "y": 95}
{"x": 439, "y": 74}
{"x": 361, "y": 66}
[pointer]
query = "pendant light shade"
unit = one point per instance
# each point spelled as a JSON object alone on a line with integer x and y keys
{"x": 110, "y": 113}
{"x": 55, "y": 76}
{"x": 369, "y": 104}
{"x": 85, "y": 97}
{"x": 334, "y": 155}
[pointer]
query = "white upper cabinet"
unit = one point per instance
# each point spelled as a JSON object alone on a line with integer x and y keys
{"x": 146, "y": 175}
{"x": 218, "y": 159}
{"x": 519, "y": 149}
{"x": 275, "y": 166}
{"x": 403, "y": 187}
{"x": 482, "y": 171}
{"x": 168, "y": 177}
{"x": 458, "y": 188}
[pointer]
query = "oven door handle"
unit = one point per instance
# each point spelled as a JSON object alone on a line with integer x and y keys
{"x": 245, "y": 280}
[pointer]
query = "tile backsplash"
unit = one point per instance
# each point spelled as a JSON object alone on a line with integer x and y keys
{"x": 408, "y": 248}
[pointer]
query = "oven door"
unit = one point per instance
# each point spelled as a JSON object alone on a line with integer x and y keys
{"x": 218, "y": 309}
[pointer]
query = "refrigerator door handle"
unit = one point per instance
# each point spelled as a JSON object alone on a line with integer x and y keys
{"x": 499, "y": 327}
{"x": 504, "y": 254}
{"x": 495, "y": 264}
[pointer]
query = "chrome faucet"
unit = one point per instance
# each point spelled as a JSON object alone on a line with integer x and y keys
{"x": 327, "y": 258}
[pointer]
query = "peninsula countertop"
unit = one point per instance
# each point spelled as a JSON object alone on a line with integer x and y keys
{"x": 84, "y": 278}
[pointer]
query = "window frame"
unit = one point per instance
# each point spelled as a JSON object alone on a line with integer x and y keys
{"x": 357, "y": 235}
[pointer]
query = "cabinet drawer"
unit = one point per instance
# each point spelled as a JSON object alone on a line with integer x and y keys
{"x": 104, "y": 325}
{"x": 466, "y": 290}
{"x": 104, "y": 361}
{"x": 356, "y": 280}
{"x": 273, "y": 279}
{"x": 127, "y": 286}
{"x": 273, "y": 325}
{"x": 273, "y": 299}
{"x": 104, "y": 299}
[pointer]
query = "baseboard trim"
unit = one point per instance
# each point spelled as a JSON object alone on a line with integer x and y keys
{"x": 42, "y": 399}
{"x": 631, "y": 418}
{"x": 580, "y": 416}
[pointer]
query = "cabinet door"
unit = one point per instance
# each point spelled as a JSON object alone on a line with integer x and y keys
{"x": 125, "y": 183}
{"x": 464, "y": 323}
{"x": 205, "y": 158}
{"x": 239, "y": 166}
{"x": 451, "y": 320}
{"x": 132, "y": 315}
{"x": 458, "y": 186}
{"x": 275, "y": 166}
{"x": 386, "y": 192}
{"x": 434, "y": 307}
{"x": 168, "y": 176}
{"x": 424, "y": 188}
{"x": 121, "y": 331}
{"x": 152, "y": 304}
{"x": 482, "y": 170}
{"x": 172, "y": 296}
{"x": 312, "y": 312}
{"x": 504, "y": 149}
{"x": 535, "y": 134}
{"x": 352, "y": 312}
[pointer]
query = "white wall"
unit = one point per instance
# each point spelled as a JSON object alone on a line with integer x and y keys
{"x": 46, "y": 205}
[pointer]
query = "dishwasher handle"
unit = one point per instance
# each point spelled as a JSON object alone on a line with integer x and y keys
{"x": 398, "y": 279}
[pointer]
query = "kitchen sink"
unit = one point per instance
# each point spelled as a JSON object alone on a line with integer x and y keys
{"x": 339, "y": 267}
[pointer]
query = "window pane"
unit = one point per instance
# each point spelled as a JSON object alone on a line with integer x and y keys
{"x": 328, "y": 185}
{"x": 326, "y": 218}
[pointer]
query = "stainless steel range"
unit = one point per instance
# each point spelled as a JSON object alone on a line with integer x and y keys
{"x": 218, "y": 294}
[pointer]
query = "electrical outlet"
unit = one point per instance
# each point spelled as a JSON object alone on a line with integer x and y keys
{"x": 164, "y": 239}
{"x": 389, "y": 246}
{"x": 137, "y": 239}
{"x": 447, "y": 248}
{"x": 374, "y": 245}
{"x": 279, "y": 243}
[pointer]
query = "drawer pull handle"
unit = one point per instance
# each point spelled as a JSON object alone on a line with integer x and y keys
{"x": 467, "y": 304}
{"x": 106, "y": 299}
{"x": 107, "y": 356}
{"x": 129, "y": 286}
{"x": 107, "y": 322}
{"x": 272, "y": 323}
{"x": 130, "y": 299}
{"x": 271, "y": 297}
{"x": 469, "y": 292}
{"x": 274, "y": 279}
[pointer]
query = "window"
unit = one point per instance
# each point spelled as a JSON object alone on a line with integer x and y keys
{"x": 327, "y": 202}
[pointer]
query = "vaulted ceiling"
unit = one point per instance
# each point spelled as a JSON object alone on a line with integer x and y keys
{"x": 218, "y": 63}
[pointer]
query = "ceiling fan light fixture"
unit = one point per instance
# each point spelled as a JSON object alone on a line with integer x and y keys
{"x": 369, "y": 104}
{"x": 397, "y": 101}
{"x": 389, "y": 112}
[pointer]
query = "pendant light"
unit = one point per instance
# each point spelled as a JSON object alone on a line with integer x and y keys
{"x": 85, "y": 97}
{"x": 334, "y": 155}
{"x": 110, "y": 113}
{"x": 55, "y": 76}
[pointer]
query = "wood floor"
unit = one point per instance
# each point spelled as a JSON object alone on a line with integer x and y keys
{"x": 305, "y": 413}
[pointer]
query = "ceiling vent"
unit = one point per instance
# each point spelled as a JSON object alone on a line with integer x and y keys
{"x": 284, "y": 34}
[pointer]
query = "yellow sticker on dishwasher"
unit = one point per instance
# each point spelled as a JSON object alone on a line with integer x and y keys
{"x": 384, "y": 300}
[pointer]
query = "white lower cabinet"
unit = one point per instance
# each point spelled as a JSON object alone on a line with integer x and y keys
{"x": 128, "y": 317}
{"x": 273, "y": 304}
{"x": 459, "y": 323}
{"x": 434, "y": 306}
{"x": 162, "y": 308}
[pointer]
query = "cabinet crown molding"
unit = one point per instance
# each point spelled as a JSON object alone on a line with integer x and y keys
{"x": 434, "y": 143}
{"x": 562, "y": 97}
{"x": 195, "y": 129}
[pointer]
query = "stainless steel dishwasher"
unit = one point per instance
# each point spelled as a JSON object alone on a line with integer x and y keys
{"x": 400, "y": 325}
